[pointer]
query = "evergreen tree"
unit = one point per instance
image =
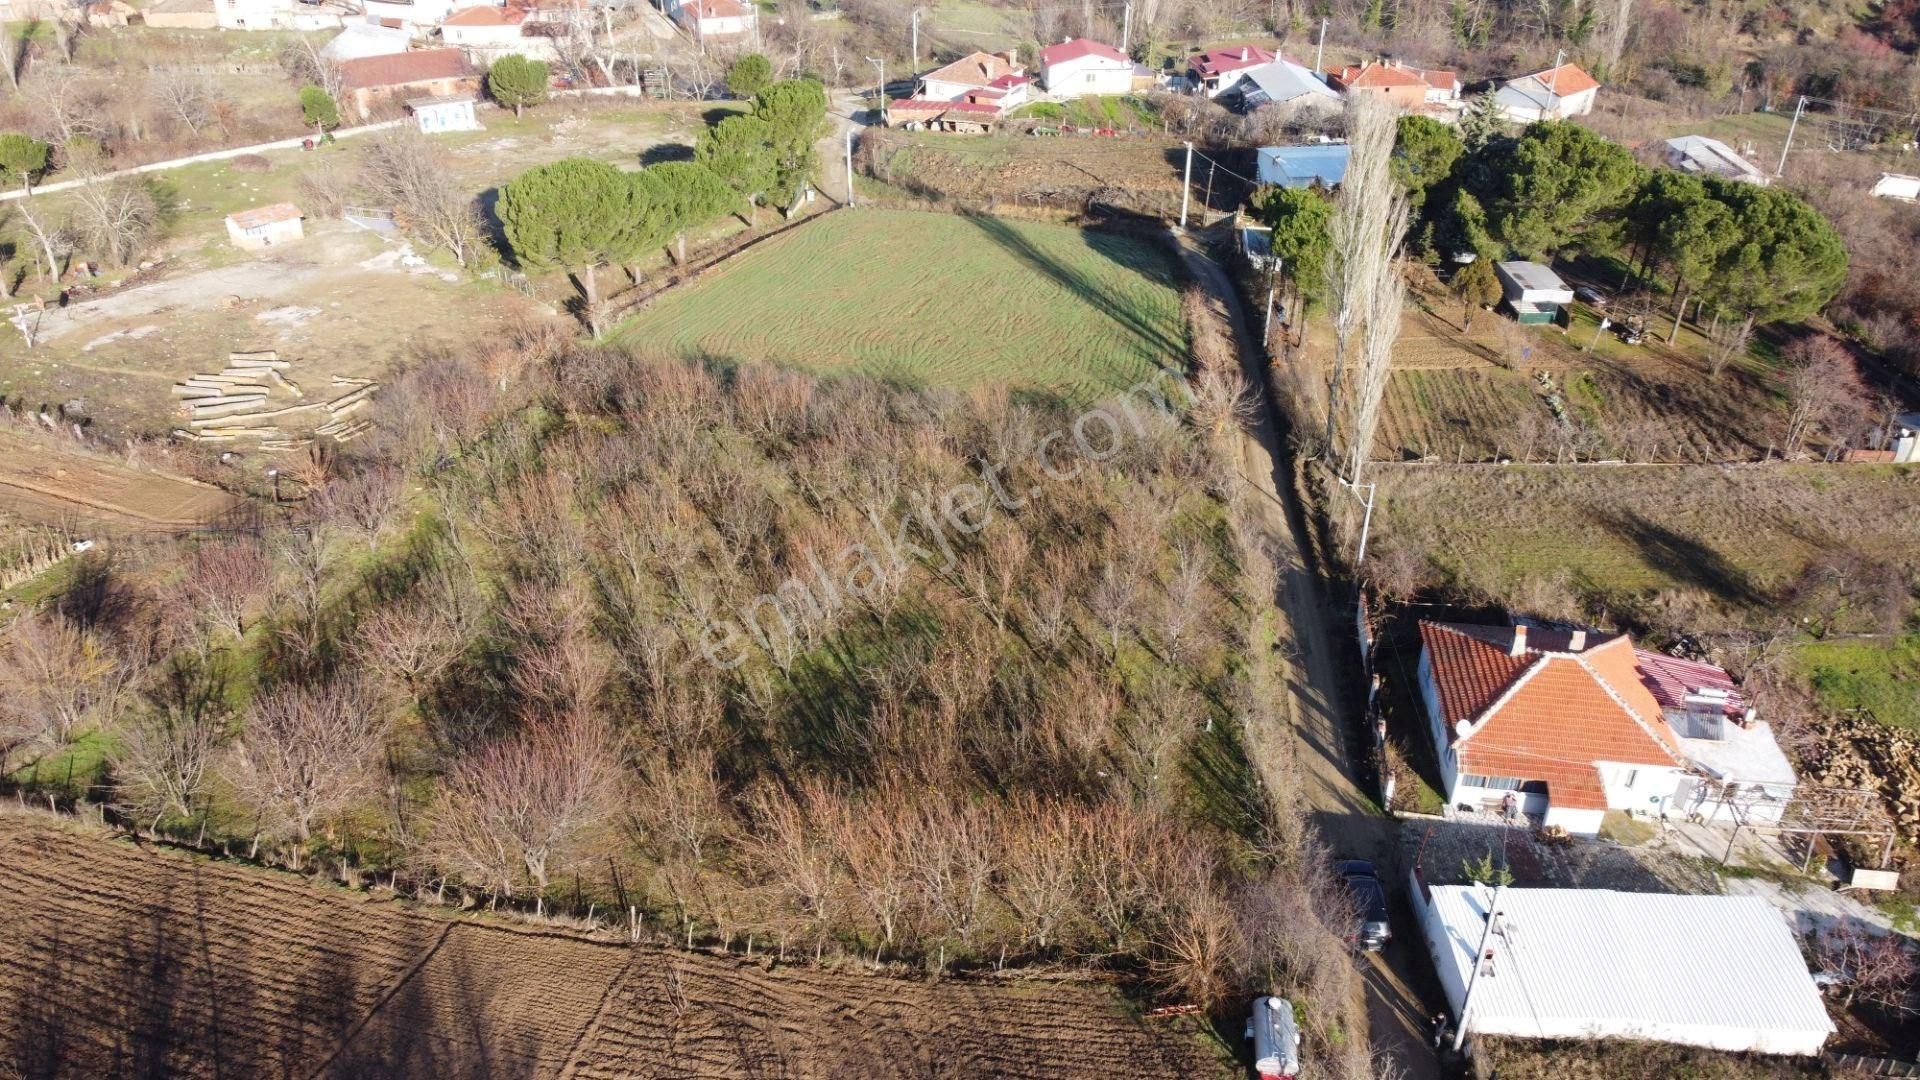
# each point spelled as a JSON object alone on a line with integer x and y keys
{"x": 573, "y": 215}
{"x": 517, "y": 82}
{"x": 795, "y": 112}
{"x": 319, "y": 109}
{"x": 739, "y": 149}
{"x": 749, "y": 75}
{"x": 22, "y": 157}
{"x": 1481, "y": 122}
{"x": 694, "y": 196}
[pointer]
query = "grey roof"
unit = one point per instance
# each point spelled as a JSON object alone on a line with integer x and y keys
{"x": 1720, "y": 971}
{"x": 357, "y": 40}
{"x": 1283, "y": 80}
{"x": 1302, "y": 166}
{"x": 1531, "y": 276}
{"x": 1700, "y": 154}
{"x": 438, "y": 99}
{"x": 1528, "y": 93}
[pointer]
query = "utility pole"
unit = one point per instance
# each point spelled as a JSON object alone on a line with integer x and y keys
{"x": 1797, "y": 110}
{"x": 1186, "y": 188}
{"x": 1266, "y": 328}
{"x": 881, "y": 63}
{"x": 1483, "y": 956}
{"x": 1208, "y": 201}
{"x": 916, "y": 39}
{"x": 1320, "y": 50}
{"x": 1126, "y": 24}
{"x": 849, "y": 166}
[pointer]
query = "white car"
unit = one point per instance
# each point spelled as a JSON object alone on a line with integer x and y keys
{"x": 1276, "y": 1039}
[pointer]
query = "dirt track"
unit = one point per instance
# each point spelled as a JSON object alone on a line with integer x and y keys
{"x": 121, "y": 961}
{"x": 46, "y": 484}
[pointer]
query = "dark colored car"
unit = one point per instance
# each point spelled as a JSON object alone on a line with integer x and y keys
{"x": 1371, "y": 930}
{"x": 1590, "y": 295}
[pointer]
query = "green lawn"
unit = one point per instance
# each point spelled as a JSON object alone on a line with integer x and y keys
{"x": 1881, "y": 676}
{"x": 935, "y": 299}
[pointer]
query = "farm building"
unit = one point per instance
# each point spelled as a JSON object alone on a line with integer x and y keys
{"x": 410, "y": 14}
{"x": 452, "y": 112}
{"x": 1554, "y": 94}
{"x": 487, "y": 28}
{"x": 1211, "y": 72}
{"x": 1722, "y": 972}
{"x": 1303, "y": 166}
{"x": 980, "y": 71}
{"x": 1080, "y": 66}
{"x": 1568, "y": 724}
{"x": 1898, "y": 186}
{"x": 108, "y": 14}
{"x": 425, "y": 73}
{"x": 716, "y": 20}
{"x": 265, "y": 226}
{"x": 1279, "y": 82}
{"x": 958, "y": 117}
{"x": 361, "y": 39}
{"x": 1711, "y": 157}
{"x": 1403, "y": 87}
{"x": 1532, "y": 292}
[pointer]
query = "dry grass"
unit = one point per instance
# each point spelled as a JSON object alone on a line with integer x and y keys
{"x": 1618, "y": 537}
{"x": 1518, "y": 1059}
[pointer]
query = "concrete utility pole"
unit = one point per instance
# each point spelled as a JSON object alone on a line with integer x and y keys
{"x": 881, "y": 63}
{"x": 1320, "y": 50}
{"x": 1126, "y": 25}
{"x": 1366, "y": 523}
{"x": 1797, "y": 110}
{"x": 916, "y": 39}
{"x": 1483, "y": 956}
{"x": 1186, "y": 188}
{"x": 849, "y": 166}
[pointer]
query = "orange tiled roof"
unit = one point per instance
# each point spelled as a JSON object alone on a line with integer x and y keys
{"x": 1566, "y": 80}
{"x": 1379, "y": 76}
{"x": 486, "y": 15}
{"x": 1549, "y": 713}
{"x": 974, "y": 69}
{"x": 403, "y": 69}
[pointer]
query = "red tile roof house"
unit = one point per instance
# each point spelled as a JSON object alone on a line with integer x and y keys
{"x": 1574, "y": 723}
{"x": 423, "y": 73}
{"x": 1212, "y": 72}
{"x": 990, "y": 78}
{"x": 1388, "y": 81}
{"x": 1081, "y": 66}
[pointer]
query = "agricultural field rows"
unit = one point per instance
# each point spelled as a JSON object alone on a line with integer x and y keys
{"x": 934, "y": 299}
{"x": 116, "y": 960}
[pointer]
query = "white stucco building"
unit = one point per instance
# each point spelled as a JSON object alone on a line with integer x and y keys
{"x": 1554, "y": 94}
{"x": 1079, "y": 66}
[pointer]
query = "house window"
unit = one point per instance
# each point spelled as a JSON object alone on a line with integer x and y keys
{"x": 1089, "y": 76}
{"x": 1632, "y": 775}
{"x": 1504, "y": 783}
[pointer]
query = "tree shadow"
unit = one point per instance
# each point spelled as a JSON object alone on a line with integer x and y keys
{"x": 660, "y": 153}
{"x": 1686, "y": 558}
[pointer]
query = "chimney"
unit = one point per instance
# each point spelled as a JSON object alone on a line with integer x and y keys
{"x": 1577, "y": 642}
{"x": 1244, "y": 53}
{"x": 1519, "y": 641}
{"x": 1067, "y": 39}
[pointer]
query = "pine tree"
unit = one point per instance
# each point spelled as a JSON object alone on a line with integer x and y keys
{"x": 1481, "y": 122}
{"x": 517, "y": 81}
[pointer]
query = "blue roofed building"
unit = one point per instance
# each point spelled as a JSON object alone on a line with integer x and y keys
{"x": 1303, "y": 166}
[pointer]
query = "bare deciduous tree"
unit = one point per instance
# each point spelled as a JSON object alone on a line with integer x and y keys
{"x": 307, "y": 753}
{"x": 415, "y": 642}
{"x": 224, "y": 581}
{"x": 54, "y": 676}
{"x": 403, "y": 169}
{"x": 1363, "y": 277}
{"x": 167, "y": 747}
{"x": 510, "y": 814}
{"x": 116, "y": 218}
{"x": 1823, "y": 390}
{"x": 186, "y": 97}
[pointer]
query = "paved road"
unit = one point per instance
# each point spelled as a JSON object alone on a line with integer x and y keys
{"x": 1344, "y": 814}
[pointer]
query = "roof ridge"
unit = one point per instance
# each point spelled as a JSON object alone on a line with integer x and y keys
{"x": 1631, "y": 712}
{"x": 1480, "y": 719}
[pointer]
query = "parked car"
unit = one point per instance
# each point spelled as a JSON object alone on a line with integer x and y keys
{"x": 1590, "y": 295}
{"x": 1371, "y": 930}
{"x": 1276, "y": 1039}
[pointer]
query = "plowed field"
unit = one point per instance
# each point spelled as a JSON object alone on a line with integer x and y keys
{"x": 40, "y": 483}
{"x": 120, "y": 961}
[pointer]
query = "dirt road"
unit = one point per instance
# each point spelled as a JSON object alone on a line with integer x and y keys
{"x": 1344, "y": 814}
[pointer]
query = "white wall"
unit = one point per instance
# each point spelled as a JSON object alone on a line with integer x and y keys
{"x": 939, "y": 90}
{"x": 1085, "y": 75}
{"x": 424, "y": 13}
{"x": 1646, "y": 788}
{"x": 1577, "y": 822}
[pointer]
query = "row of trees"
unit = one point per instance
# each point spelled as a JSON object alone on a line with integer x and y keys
{"x": 579, "y": 215}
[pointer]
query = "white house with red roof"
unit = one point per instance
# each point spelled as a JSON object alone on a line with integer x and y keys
{"x": 492, "y": 31}
{"x": 1568, "y": 724}
{"x": 1554, "y": 94}
{"x": 715, "y": 20}
{"x": 1080, "y": 66}
{"x": 1217, "y": 69}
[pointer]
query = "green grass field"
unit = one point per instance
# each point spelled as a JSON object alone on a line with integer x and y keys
{"x": 934, "y": 299}
{"x": 1881, "y": 676}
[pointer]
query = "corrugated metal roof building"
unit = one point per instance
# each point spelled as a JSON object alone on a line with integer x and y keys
{"x": 1716, "y": 971}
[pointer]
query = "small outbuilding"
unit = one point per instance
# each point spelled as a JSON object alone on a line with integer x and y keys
{"x": 1534, "y": 293}
{"x": 447, "y": 112}
{"x": 1898, "y": 186}
{"x": 1703, "y": 156}
{"x": 1721, "y": 972}
{"x": 265, "y": 226}
{"x": 1303, "y": 166}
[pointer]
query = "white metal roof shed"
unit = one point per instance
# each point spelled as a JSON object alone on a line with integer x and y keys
{"x": 1714, "y": 971}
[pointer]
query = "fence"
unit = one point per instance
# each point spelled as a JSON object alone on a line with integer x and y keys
{"x": 1873, "y": 1066}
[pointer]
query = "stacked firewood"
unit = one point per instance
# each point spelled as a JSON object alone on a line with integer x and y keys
{"x": 237, "y": 402}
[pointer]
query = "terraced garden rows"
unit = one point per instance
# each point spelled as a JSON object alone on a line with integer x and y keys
{"x": 121, "y": 961}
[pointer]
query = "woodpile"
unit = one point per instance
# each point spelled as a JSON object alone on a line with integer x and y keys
{"x": 1861, "y": 752}
{"x": 237, "y": 402}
